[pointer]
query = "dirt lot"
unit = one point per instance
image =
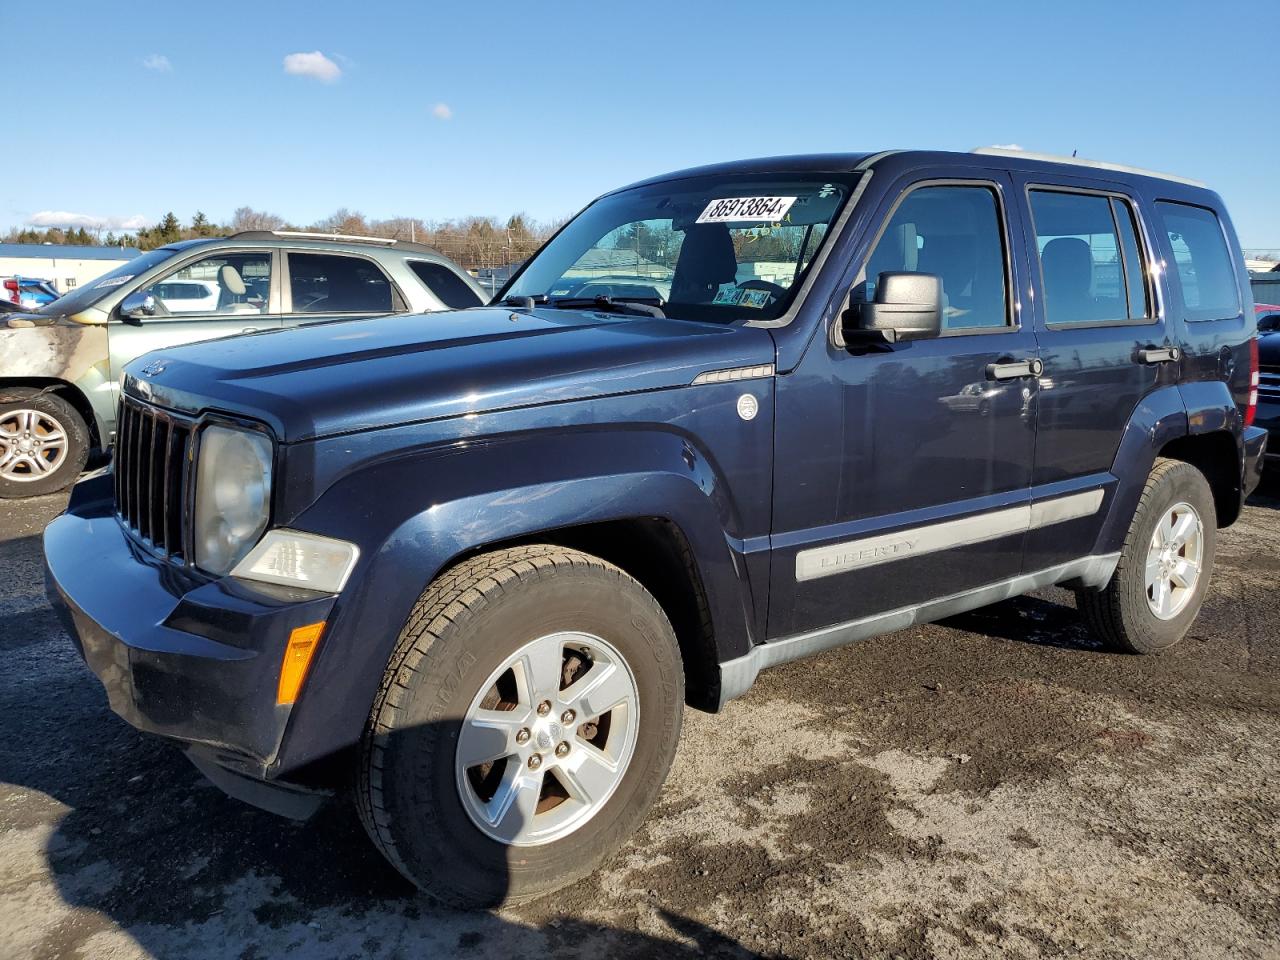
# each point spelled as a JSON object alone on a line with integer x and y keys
{"x": 992, "y": 786}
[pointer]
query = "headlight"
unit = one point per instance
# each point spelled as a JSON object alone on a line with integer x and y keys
{"x": 233, "y": 495}
{"x": 298, "y": 559}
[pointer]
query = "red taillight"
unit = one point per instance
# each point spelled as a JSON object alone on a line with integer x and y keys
{"x": 1251, "y": 410}
{"x": 11, "y": 290}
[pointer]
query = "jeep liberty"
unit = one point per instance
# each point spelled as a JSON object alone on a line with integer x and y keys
{"x": 473, "y": 570}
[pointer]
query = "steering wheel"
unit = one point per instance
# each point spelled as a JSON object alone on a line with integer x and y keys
{"x": 778, "y": 292}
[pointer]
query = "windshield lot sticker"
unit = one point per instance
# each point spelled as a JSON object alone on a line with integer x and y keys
{"x": 756, "y": 299}
{"x": 728, "y": 296}
{"x": 113, "y": 281}
{"x": 738, "y": 209}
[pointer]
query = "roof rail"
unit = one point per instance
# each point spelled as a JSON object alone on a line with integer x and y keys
{"x": 316, "y": 235}
{"x": 1082, "y": 162}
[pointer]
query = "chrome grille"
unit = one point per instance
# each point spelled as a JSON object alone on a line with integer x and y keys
{"x": 1269, "y": 381}
{"x": 152, "y": 475}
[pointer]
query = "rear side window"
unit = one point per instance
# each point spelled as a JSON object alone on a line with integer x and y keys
{"x": 450, "y": 288}
{"x": 331, "y": 283}
{"x": 1091, "y": 264}
{"x": 1202, "y": 261}
{"x": 956, "y": 233}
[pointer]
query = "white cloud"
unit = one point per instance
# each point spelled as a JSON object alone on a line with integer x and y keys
{"x": 65, "y": 218}
{"x": 442, "y": 111}
{"x": 157, "y": 62}
{"x": 315, "y": 65}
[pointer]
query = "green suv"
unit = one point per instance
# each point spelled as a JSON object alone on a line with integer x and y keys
{"x": 60, "y": 365}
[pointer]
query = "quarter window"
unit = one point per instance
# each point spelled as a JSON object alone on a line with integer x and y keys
{"x": 448, "y": 287}
{"x": 1202, "y": 261}
{"x": 953, "y": 232}
{"x": 330, "y": 283}
{"x": 1091, "y": 264}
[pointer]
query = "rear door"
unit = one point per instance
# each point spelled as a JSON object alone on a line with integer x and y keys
{"x": 1103, "y": 341}
{"x": 216, "y": 295}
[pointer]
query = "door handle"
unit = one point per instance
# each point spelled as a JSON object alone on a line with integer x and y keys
{"x": 1006, "y": 368}
{"x": 1159, "y": 354}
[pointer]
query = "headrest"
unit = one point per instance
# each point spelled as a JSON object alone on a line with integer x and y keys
{"x": 230, "y": 279}
{"x": 1068, "y": 261}
{"x": 706, "y": 260}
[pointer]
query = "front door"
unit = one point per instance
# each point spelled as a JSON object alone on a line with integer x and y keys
{"x": 903, "y": 472}
{"x": 218, "y": 295}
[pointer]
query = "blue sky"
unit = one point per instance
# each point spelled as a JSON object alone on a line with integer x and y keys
{"x": 442, "y": 110}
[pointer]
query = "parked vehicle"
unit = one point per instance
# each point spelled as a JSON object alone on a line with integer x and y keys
{"x": 60, "y": 366}
{"x": 1268, "y": 388}
{"x": 28, "y": 292}
{"x": 478, "y": 566}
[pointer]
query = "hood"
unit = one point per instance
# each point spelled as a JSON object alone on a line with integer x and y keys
{"x": 340, "y": 377}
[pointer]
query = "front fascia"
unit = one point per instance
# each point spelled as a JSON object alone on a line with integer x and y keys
{"x": 417, "y": 498}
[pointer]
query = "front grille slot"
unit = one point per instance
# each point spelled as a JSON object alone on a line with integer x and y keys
{"x": 1269, "y": 380}
{"x": 152, "y": 475}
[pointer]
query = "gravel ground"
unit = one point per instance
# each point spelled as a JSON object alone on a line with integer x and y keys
{"x": 994, "y": 786}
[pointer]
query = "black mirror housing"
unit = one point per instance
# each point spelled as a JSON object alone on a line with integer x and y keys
{"x": 907, "y": 306}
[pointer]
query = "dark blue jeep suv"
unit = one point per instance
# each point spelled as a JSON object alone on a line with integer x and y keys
{"x": 476, "y": 564}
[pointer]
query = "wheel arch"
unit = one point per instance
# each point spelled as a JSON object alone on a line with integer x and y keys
{"x": 644, "y": 509}
{"x": 69, "y": 392}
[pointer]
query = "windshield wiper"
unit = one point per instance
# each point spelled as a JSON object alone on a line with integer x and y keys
{"x": 640, "y": 306}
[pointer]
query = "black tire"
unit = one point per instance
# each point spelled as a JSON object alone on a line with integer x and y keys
{"x": 51, "y": 407}
{"x": 466, "y": 624}
{"x": 1119, "y": 614}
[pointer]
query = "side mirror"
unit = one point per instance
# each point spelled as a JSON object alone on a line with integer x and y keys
{"x": 138, "y": 306}
{"x": 908, "y": 306}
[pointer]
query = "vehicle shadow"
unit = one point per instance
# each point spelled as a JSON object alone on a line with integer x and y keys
{"x": 1268, "y": 492}
{"x": 1030, "y": 619}
{"x": 142, "y": 856}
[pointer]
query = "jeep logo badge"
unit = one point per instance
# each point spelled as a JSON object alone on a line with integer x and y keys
{"x": 748, "y": 407}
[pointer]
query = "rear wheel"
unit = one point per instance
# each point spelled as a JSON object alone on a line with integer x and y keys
{"x": 1165, "y": 565}
{"x": 525, "y": 725}
{"x": 44, "y": 442}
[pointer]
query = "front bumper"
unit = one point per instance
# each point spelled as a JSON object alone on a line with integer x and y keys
{"x": 180, "y": 655}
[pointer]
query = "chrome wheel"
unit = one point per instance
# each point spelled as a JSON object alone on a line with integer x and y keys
{"x": 32, "y": 445}
{"x": 548, "y": 739}
{"x": 1174, "y": 558}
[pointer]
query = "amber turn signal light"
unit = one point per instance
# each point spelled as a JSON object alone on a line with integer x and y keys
{"x": 297, "y": 658}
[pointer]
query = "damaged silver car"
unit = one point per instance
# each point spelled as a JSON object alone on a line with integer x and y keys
{"x": 60, "y": 365}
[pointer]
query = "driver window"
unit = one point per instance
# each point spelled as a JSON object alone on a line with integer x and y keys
{"x": 955, "y": 233}
{"x": 229, "y": 283}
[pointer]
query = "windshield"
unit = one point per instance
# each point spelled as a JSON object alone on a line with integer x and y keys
{"x": 86, "y": 296}
{"x": 718, "y": 248}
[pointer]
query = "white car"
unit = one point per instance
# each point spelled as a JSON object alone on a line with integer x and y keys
{"x": 188, "y": 296}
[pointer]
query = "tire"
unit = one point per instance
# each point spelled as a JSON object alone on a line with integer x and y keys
{"x": 44, "y": 442}
{"x": 1122, "y": 614}
{"x": 424, "y": 812}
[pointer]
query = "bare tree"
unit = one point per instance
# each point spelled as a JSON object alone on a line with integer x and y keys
{"x": 247, "y": 218}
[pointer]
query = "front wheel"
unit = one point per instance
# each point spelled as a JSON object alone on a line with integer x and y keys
{"x": 44, "y": 442}
{"x": 1165, "y": 565}
{"x": 525, "y": 725}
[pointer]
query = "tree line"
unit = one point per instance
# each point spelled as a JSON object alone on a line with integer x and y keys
{"x": 474, "y": 242}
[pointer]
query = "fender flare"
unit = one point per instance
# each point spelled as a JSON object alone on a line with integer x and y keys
{"x": 1161, "y": 416}
{"x": 414, "y": 517}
